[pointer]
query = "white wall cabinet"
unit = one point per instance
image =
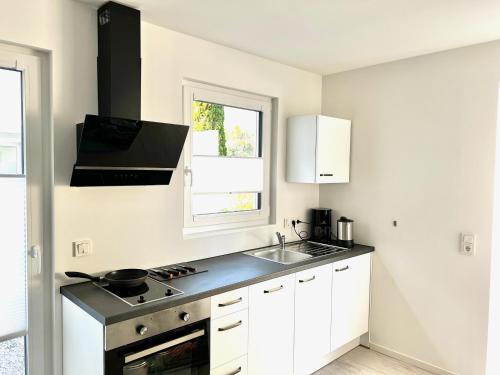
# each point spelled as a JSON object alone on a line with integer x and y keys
{"x": 271, "y": 327}
{"x": 313, "y": 306}
{"x": 350, "y": 299}
{"x": 318, "y": 149}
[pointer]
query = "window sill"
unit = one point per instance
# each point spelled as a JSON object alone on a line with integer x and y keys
{"x": 201, "y": 232}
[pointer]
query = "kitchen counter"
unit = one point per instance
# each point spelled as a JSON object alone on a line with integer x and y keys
{"x": 225, "y": 272}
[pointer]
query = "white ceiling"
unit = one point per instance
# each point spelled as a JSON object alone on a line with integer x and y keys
{"x": 327, "y": 36}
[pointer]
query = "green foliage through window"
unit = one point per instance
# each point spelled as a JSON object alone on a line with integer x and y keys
{"x": 208, "y": 116}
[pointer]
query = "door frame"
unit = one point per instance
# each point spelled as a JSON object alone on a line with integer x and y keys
{"x": 38, "y": 154}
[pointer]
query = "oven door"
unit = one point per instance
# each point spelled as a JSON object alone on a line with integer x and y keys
{"x": 184, "y": 351}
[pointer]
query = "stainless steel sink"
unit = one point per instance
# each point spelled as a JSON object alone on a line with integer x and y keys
{"x": 295, "y": 252}
{"x": 279, "y": 255}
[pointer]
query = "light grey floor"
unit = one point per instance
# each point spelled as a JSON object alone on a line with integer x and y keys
{"x": 362, "y": 361}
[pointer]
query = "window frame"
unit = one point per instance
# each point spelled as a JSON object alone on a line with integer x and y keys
{"x": 194, "y": 91}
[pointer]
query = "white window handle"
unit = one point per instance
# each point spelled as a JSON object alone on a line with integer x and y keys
{"x": 35, "y": 253}
{"x": 188, "y": 171}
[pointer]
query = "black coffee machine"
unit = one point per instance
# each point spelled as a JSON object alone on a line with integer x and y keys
{"x": 321, "y": 225}
{"x": 322, "y": 228}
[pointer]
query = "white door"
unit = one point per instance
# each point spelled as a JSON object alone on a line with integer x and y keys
{"x": 271, "y": 320}
{"x": 22, "y": 347}
{"x": 350, "y": 299}
{"x": 333, "y": 150}
{"x": 313, "y": 307}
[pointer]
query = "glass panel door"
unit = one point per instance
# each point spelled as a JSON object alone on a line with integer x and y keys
{"x": 13, "y": 225}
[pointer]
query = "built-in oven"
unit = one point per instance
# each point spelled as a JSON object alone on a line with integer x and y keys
{"x": 175, "y": 341}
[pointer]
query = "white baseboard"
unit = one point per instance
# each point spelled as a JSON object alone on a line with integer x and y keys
{"x": 410, "y": 360}
{"x": 322, "y": 362}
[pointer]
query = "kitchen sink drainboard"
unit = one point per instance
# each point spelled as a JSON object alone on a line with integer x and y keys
{"x": 314, "y": 249}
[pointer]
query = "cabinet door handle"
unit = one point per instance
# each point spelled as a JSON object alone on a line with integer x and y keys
{"x": 237, "y": 371}
{"x": 341, "y": 269}
{"x": 225, "y": 304}
{"x": 231, "y": 326}
{"x": 307, "y": 280}
{"x": 273, "y": 289}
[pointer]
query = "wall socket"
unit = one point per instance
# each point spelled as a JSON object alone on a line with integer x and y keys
{"x": 82, "y": 248}
{"x": 287, "y": 222}
{"x": 287, "y": 225}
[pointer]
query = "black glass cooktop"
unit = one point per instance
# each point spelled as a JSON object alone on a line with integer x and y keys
{"x": 151, "y": 290}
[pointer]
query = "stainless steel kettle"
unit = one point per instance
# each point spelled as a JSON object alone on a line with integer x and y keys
{"x": 344, "y": 232}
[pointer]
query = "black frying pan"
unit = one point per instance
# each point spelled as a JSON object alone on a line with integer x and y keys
{"x": 126, "y": 278}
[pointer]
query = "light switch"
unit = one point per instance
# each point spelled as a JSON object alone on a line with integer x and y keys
{"x": 468, "y": 244}
{"x": 82, "y": 248}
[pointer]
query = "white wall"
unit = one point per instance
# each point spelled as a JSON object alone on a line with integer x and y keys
{"x": 423, "y": 151}
{"x": 493, "y": 359}
{"x": 142, "y": 226}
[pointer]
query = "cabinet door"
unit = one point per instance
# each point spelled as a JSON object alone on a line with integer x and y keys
{"x": 333, "y": 150}
{"x": 271, "y": 320}
{"x": 313, "y": 304}
{"x": 350, "y": 299}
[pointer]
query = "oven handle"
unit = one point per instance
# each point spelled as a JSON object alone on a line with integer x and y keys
{"x": 144, "y": 353}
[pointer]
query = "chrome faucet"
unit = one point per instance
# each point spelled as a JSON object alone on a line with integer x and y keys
{"x": 281, "y": 240}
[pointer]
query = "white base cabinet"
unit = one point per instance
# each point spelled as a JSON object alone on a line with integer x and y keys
{"x": 271, "y": 327}
{"x": 313, "y": 307}
{"x": 350, "y": 299}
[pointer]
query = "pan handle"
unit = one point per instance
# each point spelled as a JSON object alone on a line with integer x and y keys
{"x": 82, "y": 275}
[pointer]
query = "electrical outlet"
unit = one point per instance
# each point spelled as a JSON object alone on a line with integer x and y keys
{"x": 82, "y": 248}
{"x": 287, "y": 224}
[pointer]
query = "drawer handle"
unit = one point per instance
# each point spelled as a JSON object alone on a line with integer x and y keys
{"x": 341, "y": 269}
{"x": 227, "y": 328}
{"x": 237, "y": 371}
{"x": 274, "y": 289}
{"x": 225, "y": 304}
{"x": 307, "y": 280}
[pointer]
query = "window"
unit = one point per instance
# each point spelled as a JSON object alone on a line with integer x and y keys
{"x": 227, "y": 158}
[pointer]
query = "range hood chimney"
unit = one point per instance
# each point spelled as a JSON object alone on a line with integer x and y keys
{"x": 119, "y": 61}
{"x": 116, "y": 148}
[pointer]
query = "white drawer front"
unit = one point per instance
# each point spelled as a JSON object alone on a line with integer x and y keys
{"x": 236, "y": 367}
{"x": 229, "y": 302}
{"x": 228, "y": 338}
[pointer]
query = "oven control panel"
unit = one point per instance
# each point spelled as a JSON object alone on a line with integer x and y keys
{"x": 136, "y": 329}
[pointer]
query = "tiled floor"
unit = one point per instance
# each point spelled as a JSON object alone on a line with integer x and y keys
{"x": 362, "y": 361}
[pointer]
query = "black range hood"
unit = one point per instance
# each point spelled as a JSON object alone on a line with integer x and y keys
{"x": 116, "y": 148}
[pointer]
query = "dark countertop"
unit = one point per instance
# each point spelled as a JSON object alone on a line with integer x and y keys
{"x": 225, "y": 272}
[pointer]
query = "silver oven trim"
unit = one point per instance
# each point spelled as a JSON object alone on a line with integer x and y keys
{"x": 155, "y": 349}
{"x": 129, "y": 331}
